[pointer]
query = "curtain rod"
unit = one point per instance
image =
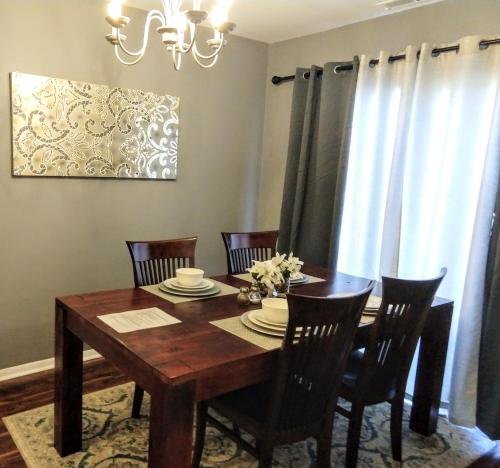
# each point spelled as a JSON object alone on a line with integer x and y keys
{"x": 276, "y": 80}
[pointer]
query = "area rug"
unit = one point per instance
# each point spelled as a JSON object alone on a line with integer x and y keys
{"x": 113, "y": 439}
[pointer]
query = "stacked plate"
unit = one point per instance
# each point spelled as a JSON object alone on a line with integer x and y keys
{"x": 372, "y": 305}
{"x": 299, "y": 280}
{"x": 256, "y": 321}
{"x": 204, "y": 289}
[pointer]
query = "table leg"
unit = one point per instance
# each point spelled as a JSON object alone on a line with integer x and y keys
{"x": 171, "y": 426}
{"x": 68, "y": 388}
{"x": 430, "y": 370}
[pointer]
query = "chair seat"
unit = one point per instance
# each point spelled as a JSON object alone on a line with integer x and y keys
{"x": 379, "y": 390}
{"x": 353, "y": 369}
{"x": 246, "y": 407}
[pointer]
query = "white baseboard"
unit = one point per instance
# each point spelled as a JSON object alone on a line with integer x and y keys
{"x": 38, "y": 366}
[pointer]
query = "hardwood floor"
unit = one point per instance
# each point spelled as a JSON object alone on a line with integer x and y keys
{"x": 36, "y": 390}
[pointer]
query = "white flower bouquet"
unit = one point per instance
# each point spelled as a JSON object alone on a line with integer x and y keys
{"x": 277, "y": 270}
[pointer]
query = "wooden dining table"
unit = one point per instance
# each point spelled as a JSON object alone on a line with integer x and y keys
{"x": 193, "y": 360}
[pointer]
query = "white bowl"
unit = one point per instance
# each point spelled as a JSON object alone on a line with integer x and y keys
{"x": 189, "y": 276}
{"x": 275, "y": 310}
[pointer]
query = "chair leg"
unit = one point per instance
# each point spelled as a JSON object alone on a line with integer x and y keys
{"x": 265, "y": 455}
{"x": 396, "y": 423}
{"x": 201, "y": 425}
{"x": 353, "y": 435}
{"x": 324, "y": 445}
{"x": 137, "y": 402}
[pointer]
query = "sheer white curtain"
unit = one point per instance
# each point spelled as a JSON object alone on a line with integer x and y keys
{"x": 433, "y": 207}
{"x": 369, "y": 239}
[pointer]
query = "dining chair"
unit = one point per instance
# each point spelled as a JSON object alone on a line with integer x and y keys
{"x": 152, "y": 263}
{"x": 243, "y": 247}
{"x": 379, "y": 374}
{"x": 300, "y": 400}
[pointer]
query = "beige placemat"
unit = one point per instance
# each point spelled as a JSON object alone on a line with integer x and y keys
{"x": 225, "y": 290}
{"x": 234, "y": 326}
{"x": 248, "y": 277}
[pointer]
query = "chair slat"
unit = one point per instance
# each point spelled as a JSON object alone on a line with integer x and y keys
{"x": 243, "y": 247}
{"x": 156, "y": 261}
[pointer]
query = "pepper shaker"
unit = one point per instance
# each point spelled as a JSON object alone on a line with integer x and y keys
{"x": 243, "y": 296}
{"x": 255, "y": 297}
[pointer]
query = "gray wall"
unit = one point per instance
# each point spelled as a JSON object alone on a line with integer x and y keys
{"x": 61, "y": 236}
{"x": 437, "y": 24}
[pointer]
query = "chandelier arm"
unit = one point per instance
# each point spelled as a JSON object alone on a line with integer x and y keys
{"x": 123, "y": 61}
{"x": 208, "y": 65}
{"x": 199, "y": 55}
{"x": 152, "y": 15}
{"x": 193, "y": 33}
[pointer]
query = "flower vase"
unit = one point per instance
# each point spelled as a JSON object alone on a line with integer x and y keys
{"x": 282, "y": 289}
{"x": 262, "y": 288}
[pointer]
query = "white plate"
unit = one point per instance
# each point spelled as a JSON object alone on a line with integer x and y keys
{"x": 174, "y": 284}
{"x": 205, "y": 293}
{"x": 301, "y": 280}
{"x": 255, "y": 316}
{"x": 266, "y": 331}
{"x": 261, "y": 317}
{"x": 249, "y": 324}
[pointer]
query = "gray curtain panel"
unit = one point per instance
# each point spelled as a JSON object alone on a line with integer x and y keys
{"x": 488, "y": 404}
{"x": 316, "y": 170}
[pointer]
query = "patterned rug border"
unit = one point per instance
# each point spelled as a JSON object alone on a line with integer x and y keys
{"x": 19, "y": 440}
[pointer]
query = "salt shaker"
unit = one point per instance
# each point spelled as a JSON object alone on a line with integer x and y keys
{"x": 243, "y": 296}
{"x": 255, "y": 296}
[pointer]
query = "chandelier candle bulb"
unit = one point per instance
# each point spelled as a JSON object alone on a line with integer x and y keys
{"x": 115, "y": 17}
{"x": 115, "y": 9}
{"x": 219, "y": 16}
{"x": 226, "y": 27}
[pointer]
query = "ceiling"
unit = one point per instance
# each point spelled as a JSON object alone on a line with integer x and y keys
{"x": 279, "y": 20}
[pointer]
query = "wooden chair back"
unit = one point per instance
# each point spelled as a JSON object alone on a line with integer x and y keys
{"x": 312, "y": 361}
{"x": 155, "y": 261}
{"x": 243, "y": 247}
{"x": 396, "y": 331}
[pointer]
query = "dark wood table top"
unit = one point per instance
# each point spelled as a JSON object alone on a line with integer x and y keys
{"x": 193, "y": 349}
